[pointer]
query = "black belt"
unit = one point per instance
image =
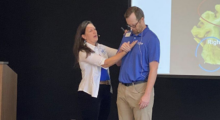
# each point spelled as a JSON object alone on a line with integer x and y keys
{"x": 133, "y": 83}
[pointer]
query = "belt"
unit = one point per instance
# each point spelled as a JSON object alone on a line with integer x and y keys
{"x": 107, "y": 82}
{"x": 133, "y": 83}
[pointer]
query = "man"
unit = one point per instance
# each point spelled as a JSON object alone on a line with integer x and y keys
{"x": 138, "y": 69}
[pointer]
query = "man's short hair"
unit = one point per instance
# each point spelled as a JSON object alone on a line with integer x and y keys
{"x": 136, "y": 10}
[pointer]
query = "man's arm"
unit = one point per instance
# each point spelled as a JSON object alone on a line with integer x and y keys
{"x": 150, "y": 84}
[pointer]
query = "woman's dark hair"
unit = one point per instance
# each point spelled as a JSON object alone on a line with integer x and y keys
{"x": 79, "y": 44}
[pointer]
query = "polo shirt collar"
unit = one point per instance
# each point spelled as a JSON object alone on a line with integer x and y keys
{"x": 144, "y": 31}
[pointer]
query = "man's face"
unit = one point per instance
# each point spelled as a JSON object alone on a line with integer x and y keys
{"x": 134, "y": 23}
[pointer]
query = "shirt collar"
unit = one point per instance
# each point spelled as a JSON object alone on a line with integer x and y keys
{"x": 91, "y": 46}
{"x": 142, "y": 33}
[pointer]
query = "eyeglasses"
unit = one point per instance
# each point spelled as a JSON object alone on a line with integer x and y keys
{"x": 134, "y": 26}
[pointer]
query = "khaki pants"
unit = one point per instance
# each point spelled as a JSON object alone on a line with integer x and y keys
{"x": 128, "y": 102}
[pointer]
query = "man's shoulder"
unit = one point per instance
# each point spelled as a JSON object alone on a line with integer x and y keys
{"x": 150, "y": 35}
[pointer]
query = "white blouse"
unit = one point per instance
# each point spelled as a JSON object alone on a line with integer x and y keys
{"x": 91, "y": 67}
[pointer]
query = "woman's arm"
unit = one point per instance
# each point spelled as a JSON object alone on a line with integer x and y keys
{"x": 98, "y": 60}
{"x": 113, "y": 60}
{"x": 110, "y": 51}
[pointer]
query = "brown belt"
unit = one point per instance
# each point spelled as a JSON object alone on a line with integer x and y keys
{"x": 107, "y": 82}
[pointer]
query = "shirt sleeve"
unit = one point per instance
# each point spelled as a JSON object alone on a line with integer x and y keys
{"x": 93, "y": 58}
{"x": 110, "y": 51}
{"x": 154, "y": 49}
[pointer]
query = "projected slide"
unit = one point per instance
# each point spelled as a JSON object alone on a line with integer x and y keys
{"x": 189, "y": 33}
{"x": 206, "y": 34}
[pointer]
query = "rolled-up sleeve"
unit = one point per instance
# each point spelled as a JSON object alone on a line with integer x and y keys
{"x": 93, "y": 58}
{"x": 110, "y": 51}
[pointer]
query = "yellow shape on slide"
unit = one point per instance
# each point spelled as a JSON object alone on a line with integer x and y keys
{"x": 211, "y": 49}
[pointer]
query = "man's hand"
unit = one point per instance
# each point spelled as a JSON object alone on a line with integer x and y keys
{"x": 144, "y": 102}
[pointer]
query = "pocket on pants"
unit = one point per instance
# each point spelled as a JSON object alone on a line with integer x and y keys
{"x": 139, "y": 88}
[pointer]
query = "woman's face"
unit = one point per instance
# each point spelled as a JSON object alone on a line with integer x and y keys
{"x": 90, "y": 34}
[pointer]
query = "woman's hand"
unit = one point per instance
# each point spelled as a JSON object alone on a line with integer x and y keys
{"x": 126, "y": 46}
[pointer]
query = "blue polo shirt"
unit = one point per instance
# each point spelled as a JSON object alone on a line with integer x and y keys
{"x": 135, "y": 64}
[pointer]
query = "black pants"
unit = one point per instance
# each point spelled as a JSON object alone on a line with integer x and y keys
{"x": 95, "y": 108}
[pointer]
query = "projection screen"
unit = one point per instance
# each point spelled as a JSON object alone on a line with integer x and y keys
{"x": 189, "y": 34}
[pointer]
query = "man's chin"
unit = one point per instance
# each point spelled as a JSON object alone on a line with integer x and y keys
{"x": 135, "y": 32}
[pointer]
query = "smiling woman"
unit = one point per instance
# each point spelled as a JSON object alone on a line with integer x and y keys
{"x": 94, "y": 59}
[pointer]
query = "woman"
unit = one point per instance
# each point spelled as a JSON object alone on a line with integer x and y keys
{"x": 94, "y": 59}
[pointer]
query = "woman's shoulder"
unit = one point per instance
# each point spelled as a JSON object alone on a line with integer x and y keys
{"x": 101, "y": 46}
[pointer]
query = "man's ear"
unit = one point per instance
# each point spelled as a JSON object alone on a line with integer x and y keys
{"x": 142, "y": 18}
{"x": 83, "y": 36}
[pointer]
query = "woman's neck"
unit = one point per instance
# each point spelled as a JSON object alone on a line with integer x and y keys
{"x": 91, "y": 43}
